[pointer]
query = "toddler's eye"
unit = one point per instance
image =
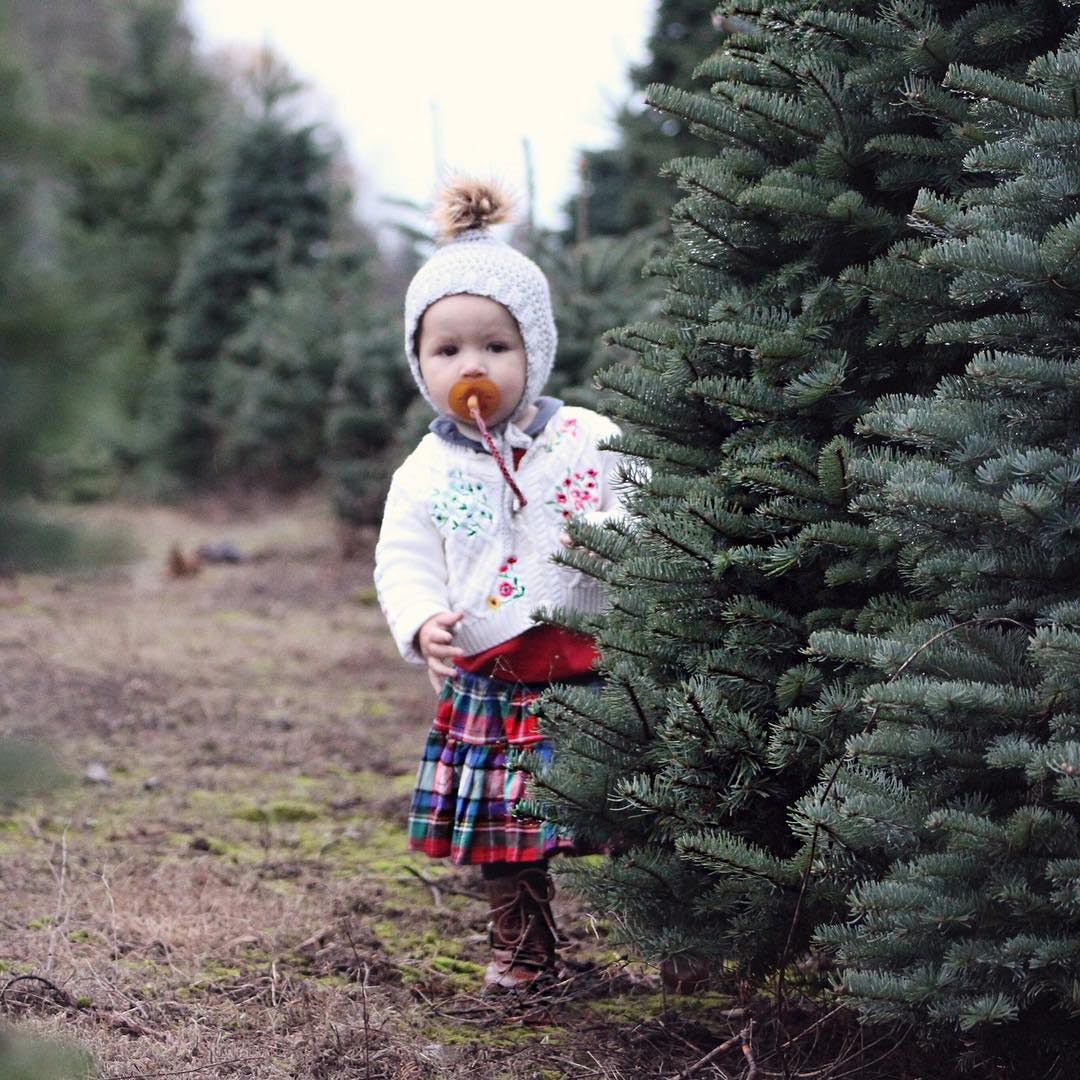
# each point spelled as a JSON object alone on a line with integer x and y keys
{"x": 447, "y": 350}
{"x": 497, "y": 346}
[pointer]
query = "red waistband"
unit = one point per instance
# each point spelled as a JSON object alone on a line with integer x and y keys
{"x": 540, "y": 655}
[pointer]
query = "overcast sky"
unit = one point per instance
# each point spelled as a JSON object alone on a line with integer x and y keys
{"x": 409, "y": 80}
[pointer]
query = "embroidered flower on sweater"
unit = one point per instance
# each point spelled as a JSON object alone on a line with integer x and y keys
{"x": 577, "y": 493}
{"x": 507, "y": 586}
{"x": 462, "y": 506}
{"x": 566, "y": 429}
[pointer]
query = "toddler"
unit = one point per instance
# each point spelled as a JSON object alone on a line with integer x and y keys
{"x": 472, "y": 520}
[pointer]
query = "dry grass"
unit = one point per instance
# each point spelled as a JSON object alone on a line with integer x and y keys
{"x": 236, "y": 901}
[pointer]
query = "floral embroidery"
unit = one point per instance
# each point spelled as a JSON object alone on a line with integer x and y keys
{"x": 577, "y": 493}
{"x": 463, "y": 506}
{"x": 568, "y": 429}
{"x": 508, "y": 585}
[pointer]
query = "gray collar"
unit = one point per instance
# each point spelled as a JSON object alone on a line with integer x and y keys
{"x": 445, "y": 428}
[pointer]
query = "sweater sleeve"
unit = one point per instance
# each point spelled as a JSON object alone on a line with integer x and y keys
{"x": 410, "y": 563}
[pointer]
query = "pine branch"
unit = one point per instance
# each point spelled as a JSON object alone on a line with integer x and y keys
{"x": 834, "y": 776}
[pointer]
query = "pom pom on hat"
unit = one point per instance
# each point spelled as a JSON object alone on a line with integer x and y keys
{"x": 466, "y": 204}
{"x": 470, "y": 259}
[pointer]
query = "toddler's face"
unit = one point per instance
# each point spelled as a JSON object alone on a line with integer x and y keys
{"x": 466, "y": 336}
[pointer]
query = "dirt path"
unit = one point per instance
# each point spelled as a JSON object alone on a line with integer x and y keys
{"x": 222, "y": 890}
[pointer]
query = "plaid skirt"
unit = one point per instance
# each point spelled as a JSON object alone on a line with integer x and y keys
{"x": 469, "y": 782}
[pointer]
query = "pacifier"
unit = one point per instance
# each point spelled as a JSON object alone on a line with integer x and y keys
{"x": 469, "y": 394}
{"x": 474, "y": 400}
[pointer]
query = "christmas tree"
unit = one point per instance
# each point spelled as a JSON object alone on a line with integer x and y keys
{"x": 962, "y": 781}
{"x": 42, "y": 374}
{"x": 622, "y": 189}
{"x": 278, "y": 376}
{"x": 271, "y": 210}
{"x": 595, "y": 285}
{"x": 825, "y": 121}
{"x": 137, "y": 164}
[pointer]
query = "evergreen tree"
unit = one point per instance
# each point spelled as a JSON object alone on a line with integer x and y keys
{"x": 56, "y": 44}
{"x": 40, "y": 373}
{"x": 271, "y": 210}
{"x": 281, "y": 375}
{"x": 272, "y": 382}
{"x": 138, "y": 165}
{"x": 367, "y": 431}
{"x": 622, "y": 189}
{"x": 595, "y": 285}
{"x": 963, "y": 780}
{"x": 825, "y": 121}
{"x": 375, "y": 417}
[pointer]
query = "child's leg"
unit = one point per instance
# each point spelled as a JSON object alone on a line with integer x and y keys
{"x": 522, "y": 927}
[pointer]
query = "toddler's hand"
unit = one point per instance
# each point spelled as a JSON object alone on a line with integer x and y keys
{"x": 435, "y": 642}
{"x": 565, "y": 540}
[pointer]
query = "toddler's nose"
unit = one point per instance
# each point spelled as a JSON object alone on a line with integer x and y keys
{"x": 474, "y": 363}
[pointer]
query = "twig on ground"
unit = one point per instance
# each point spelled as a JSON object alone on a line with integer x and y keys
{"x": 747, "y": 1036}
{"x": 112, "y": 914}
{"x": 863, "y": 1064}
{"x": 111, "y": 987}
{"x": 441, "y": 886}
{"x": 66, "y": 1001}
{"x": 671, "y": 1034}
{"x": 603, "y": 1070}
{"x": 366, "y": 1020}
{"x": 816, "y": 1024}
{"x": 316, "y": 939}
{"x": 713, "y": 1054}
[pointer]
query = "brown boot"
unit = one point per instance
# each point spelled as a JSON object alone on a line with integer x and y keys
{"x": 522, "y": 929}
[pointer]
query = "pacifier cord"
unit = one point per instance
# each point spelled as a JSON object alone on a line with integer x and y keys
{"x": 478, "y": 420}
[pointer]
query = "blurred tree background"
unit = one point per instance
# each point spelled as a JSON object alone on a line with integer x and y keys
{"x": 42, "y": 366}
{"x": 622, "y": 187}
{"x": 198, "y": 307}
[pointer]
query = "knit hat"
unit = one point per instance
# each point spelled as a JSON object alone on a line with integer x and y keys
{"x": 470, "y": 259}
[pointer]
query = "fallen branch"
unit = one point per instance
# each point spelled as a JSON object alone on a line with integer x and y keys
{"x": 747, "y": 1036}
{"x": 742, "y": 1039}
{"x": 816, "y": 1024}
{"x": 441, "y": 886}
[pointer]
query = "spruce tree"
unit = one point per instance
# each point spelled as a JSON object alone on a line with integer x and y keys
{"x": 274, "y": 385}
{"x": 622, "y": 187}
{"x": 963, "y": 782}
{"x": 367, "y": 435}
{"x": 137, "y": 163}
{"x": 41, "y": 372}
{"x": 375, "y": 416}
{"x": 271, "y": 209}
{"x": 824, "y": 122}
{"x": 595, "y": 285}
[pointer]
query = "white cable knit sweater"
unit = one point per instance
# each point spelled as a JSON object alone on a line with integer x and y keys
{"x": 451, "y": 539}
